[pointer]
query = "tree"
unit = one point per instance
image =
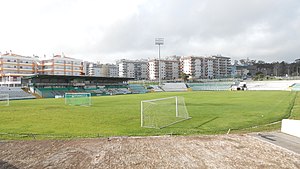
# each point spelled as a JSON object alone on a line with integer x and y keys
{"x": 261, "y": 62}
{"x": 243, "y": 62}
{"x": 259, "y": 76}
{"x": 184, "y": 76}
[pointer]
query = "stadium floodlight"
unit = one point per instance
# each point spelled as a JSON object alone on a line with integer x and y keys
{"x": 4, "y": 99}
{"x": 159, "y": 41}
{"x": 78, "y": 99}
{"x": 163, "y": 112}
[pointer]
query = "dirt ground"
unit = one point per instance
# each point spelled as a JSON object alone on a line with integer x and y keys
{"x": 221, "y": 151}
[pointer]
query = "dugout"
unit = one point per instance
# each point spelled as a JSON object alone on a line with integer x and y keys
{"x": 48, "y": 86}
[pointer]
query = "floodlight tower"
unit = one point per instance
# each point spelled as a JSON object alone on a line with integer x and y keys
{"x": 159, "y": 41}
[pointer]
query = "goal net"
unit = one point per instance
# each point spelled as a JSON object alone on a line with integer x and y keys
{"x": 4, "y": 99}
{"x": 163, "y": 112}
{"x": 78, "y": 99}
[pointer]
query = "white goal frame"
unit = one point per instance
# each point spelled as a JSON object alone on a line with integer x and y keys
{"x": 4, "y": 98}
{"x": 180, "y": 116}
{"x": 77, "y": 95}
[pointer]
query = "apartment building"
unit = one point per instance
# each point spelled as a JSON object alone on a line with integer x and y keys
{"x": 200, "y": 67}
{"x": 94, "y": 69}
{"x": 110, "y": 70}
{"x": 61, "y": 65}
{"x": 13, "y": 67}
{"x": 170, "y": 69}
{"x": 193, "y": 66}
{"x": 137, "y": 69}
{"x": 103, "y": 70}
{"x": 208, "y": 68}
{"x": 222, "y": 66}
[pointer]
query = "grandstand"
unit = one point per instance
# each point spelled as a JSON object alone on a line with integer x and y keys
{"x": 155, "y": 88}
{"x": 51, "y": 86}
{"x": 56, "y": 92}
{"x": 174, "y": 87}
{"x": 251, "y": 85}
{"x": 116, "y": 89}
{"x": 16, "y": 93}
{"x": 137, "y": 88}
{"x": 216, "y": 86}
{"x": 271, "y": 85}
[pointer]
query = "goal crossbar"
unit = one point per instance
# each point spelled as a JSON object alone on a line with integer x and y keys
{"x": 166, "y": 98}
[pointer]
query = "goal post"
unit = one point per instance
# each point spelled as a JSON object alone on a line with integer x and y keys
{"x": 163, "y": 112}
{"x": 78, "y": 99}
{"x": 4, "y": 99}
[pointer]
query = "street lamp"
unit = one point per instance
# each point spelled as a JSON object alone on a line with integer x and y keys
{"x": 159, "y": 41}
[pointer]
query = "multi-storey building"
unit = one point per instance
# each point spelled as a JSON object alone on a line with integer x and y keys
{"x": 94, "y": 69}
{"x": 103, "y": 70}
{"x": 222, "y": 67}
{"x": 193, "y": 66}
{"x": 134, "y": 69}
{"x": 85, "y": 68}
{"x": 169, "y": 69}
{"x": 13, "y": 67}
{"x": 110, "y": 70}
{"x": 60, "y": 65}
{"x": 206, "y": 67}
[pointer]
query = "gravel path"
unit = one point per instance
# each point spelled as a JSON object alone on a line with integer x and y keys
{"x": 221, "y": 151}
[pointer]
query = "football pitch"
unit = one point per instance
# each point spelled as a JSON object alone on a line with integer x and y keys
{"x": 212, "y": 112}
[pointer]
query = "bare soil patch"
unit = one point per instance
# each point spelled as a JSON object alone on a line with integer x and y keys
{"x": 221, "y": 151}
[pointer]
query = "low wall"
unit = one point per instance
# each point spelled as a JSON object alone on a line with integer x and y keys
{"x": 291, "y": 127}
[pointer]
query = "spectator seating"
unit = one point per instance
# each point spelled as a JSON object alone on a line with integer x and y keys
{"x": 156, "y": 88}
{"x": 16, "y": 93}
{"x": 99, "y": 91}
{"x": 137, "y": 88}
{"x": 270, "y": 85}
{"x": 216, "y": 86}
{"x": 174, "y": 87}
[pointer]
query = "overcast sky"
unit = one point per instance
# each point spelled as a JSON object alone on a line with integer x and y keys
{"x": 108, "y": 30}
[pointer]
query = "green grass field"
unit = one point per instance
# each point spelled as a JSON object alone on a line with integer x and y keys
{"x": 211, "y": 112}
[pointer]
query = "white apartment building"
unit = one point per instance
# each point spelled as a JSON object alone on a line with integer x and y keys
{"x": 170, "y": 69}
{"x": 193, "y": 66}
{"x": 94, "y": 69}
{"x": 222, "y": 66}
{"x": 13, "y": 67}
{"x": 103, "y": 70}
{"x": 206, "y": 67}
{"x": 133, "y": 69}
{"x": 60, "y": 65}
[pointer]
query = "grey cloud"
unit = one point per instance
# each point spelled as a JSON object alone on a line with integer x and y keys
{"x": 259, "y": 29}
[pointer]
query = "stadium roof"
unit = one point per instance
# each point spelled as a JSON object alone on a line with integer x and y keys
{"x": 76, "y": 77}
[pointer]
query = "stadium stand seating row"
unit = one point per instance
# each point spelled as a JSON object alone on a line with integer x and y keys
{"x": 100, "y": 91}
{"x": 16, "y": 93}
{"x": 137, "y": 88}
{"x": 174, "y": 87}
{"x": 155, "y": 88}
{"x": 270, "y": 85}
{"x": 210, "y": 86}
